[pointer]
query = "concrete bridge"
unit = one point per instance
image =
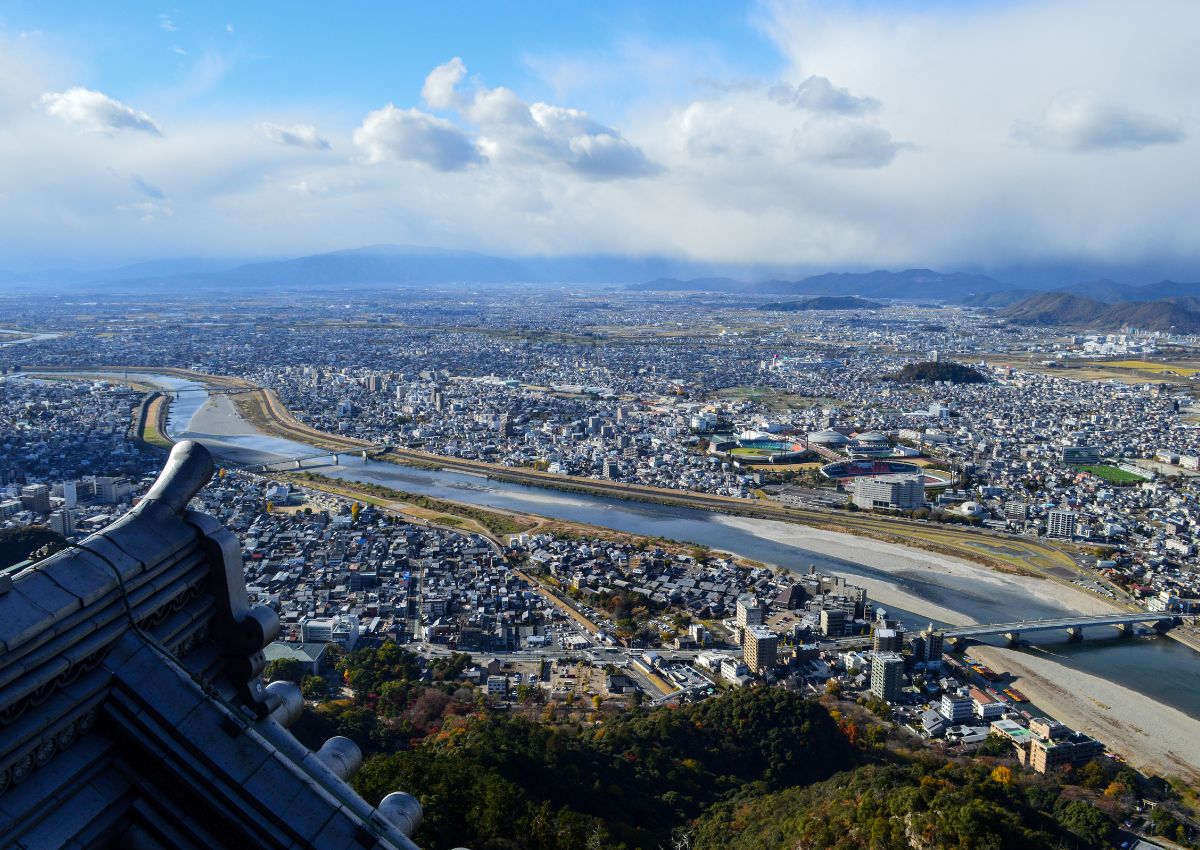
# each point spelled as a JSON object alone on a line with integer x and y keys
{"x": 209, "y": 391}
{"x": 334, "y": 456}
{"x": 1072, "y": 625}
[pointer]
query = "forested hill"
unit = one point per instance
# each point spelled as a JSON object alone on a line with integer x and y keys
{"x": 821, "y": 302}
{"x": 750, "y": 769}
{"x": 1173, "y": 315}
{"x": 955, "y": 373}
{"x": 504, "y": 781}
{"x": 926, "y": 804}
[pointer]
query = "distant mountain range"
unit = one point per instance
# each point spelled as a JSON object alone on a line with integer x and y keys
{"x": 158, "y": 269}
{"x": 1115, "y": 293}
{"x": 375, "y": 265}
{"x": 407, "y": 265}
{"x": 1099, "y": 304}
{"x": 909, "y": 284}
{"x": 821, "y": 302}
{"x": 1174, "y": 314}
{"x": 1107, "y": 291}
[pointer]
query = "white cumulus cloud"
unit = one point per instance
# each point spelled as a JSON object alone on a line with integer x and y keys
{"x": 439, "y": 89}
{"x": 814, "y": 122}
{"x": 296, "y": 135}
{"x": 93, "y": 110}
{"x": 514, "y": 132}
{"x": 411, "y": 135}
{"x": 818, "y": 94}
{"x": 1081, "y": 123}
{"x": 889, "y": 142}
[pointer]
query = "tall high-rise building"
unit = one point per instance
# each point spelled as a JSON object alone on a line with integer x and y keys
{"x": 1015, "y": 511}
{"x": 112, "y": 490}
{"x": 833, "y": 622}
{"x": 885, "y": 640}
{"x": 887, "y": 676}
{"x": 750, "y": 611}
{"x": 36, "y": 498}
{"x": 917, "y": 644}
{"x": 62, "y": 522}
{"x": 760, "y": 648}
{"x": 1060, "y": 523}
{"x": 70, "y": 495}
{"x": 934, "y": 641}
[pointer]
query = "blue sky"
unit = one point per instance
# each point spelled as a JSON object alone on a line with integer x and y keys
{"x": 360, "y": 55}
{"x": 825, "y": 135}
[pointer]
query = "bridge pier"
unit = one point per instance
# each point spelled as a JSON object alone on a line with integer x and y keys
{"x": 364, "y": 454}
{"x": 297, "y": 464}
{"x": 1126, "y": 624}
{"x": 335, "y": 460}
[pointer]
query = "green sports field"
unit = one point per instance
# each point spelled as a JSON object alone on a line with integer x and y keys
{"x": 1113, "y": 474}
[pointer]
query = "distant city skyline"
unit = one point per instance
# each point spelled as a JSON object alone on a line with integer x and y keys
{"x": 852, "y": 135}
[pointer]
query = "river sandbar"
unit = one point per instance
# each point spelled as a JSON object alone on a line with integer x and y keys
{"x": 897, "y": 560}
{"x": 1153, "y": 737}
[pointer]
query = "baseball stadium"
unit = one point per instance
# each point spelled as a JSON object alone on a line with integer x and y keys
{"x": 756, "y": 450}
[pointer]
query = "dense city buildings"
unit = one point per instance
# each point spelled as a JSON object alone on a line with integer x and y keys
{"x": 576, "y": 614}
{"x": 1013, "y": 453}
{"x": 706, "y": 426}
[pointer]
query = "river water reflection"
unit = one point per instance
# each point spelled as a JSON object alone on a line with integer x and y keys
{"x": 1162, "y": 669}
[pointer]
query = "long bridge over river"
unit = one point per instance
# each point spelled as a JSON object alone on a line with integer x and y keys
{"x": 327, "y": 456}
{"x": 208, "y": 391}
{"x": 1073, "y": 625}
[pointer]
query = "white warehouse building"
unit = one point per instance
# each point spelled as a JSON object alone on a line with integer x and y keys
{"x": 339, "y": 630}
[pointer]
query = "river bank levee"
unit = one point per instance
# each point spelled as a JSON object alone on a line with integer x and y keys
{"x": 1012, "y": 554}
{"x": 1103, "y": 707}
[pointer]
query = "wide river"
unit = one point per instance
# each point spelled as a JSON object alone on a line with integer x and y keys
{"x": 1162, "y": 669}
{"x": 24, "y": 340}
